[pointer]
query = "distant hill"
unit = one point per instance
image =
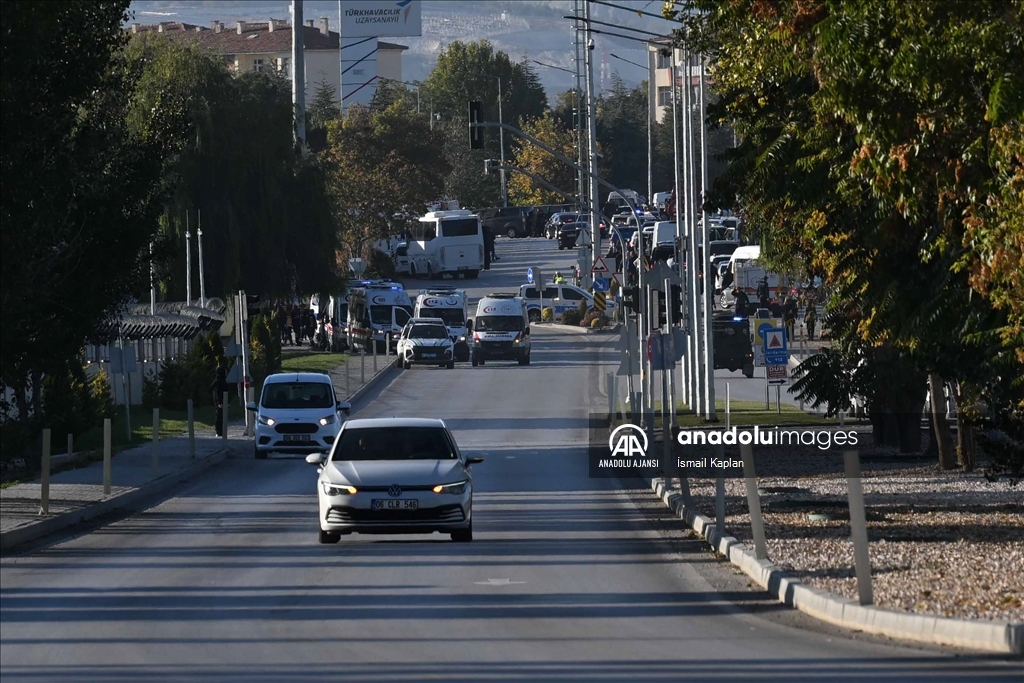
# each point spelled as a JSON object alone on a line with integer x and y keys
{"x": 531, "y": 28}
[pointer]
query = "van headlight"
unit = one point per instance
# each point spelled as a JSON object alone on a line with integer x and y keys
{"x": 269, "y": 421}
{"x": 328, "y": 420}
{"x": 453, "y": 488}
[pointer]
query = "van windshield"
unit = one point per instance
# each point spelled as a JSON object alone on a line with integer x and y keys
{"x": 452, "y": 317}
{"x": 499, "y": 323}
{"x": 297, "y": 395}
{"x": 380, "y": 315}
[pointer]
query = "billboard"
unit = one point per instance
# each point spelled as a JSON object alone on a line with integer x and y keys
{"x": 375, "y": 18}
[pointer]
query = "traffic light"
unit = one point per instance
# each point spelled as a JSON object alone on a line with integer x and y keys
{"x": 476, "y": 135}
{"x": 631, "y": 298}
{"x": 488, "y": 170}
{"x": 678, "y": 305}
{"x": 659, "y": 308}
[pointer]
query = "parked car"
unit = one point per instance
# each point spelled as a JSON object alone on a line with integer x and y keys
{"x": 510, "y": 221}
{"x": 558, "y": 220}
{"x": 569, "y": 233}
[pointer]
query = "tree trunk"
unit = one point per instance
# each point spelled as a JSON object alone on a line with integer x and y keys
{"x": 947, "y": 458}
{"x": 933, "y": 449}
{"x": 964, "y": 432}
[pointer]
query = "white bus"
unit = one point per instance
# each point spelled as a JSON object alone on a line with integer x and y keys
{"x": 446, "y": 242}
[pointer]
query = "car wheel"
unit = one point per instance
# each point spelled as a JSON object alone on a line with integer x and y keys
{"x": 748, "y": 371}
{"x": 329, "y": 537}
{"x": 481, "y": 362}
{"x": 534, "y": 316}
{"x": 524, "y": 360}
{"x": 474, "y": 362}
{"x": 510, "y": 231}
{"x": 472, "y": 274}
{"x": 463, "y": 535}
{"x": 260, "y": 455}
{"x": 451, "y": 365}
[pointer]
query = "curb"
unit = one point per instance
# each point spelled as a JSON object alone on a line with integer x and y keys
{"x": 996, "y": 636}
{"x": 373, "y": 381}
{"x": 566, "y": 329}
{"x": 128, "y": 499}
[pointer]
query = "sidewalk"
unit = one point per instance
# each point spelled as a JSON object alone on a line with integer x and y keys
{"x": 77, "y": 495}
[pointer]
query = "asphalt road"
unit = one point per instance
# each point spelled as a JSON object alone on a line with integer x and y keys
{"x": 566, "y": 580}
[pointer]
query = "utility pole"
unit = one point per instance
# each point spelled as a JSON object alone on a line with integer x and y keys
{"x": 706, "y": 300}
{"x": 501, "y": 141}
{"x": 652, "y": 96}
{"x": 299, "y": 74}
{"x": 188, "y": 263}
{"x": 595, "y": 214}
{"x": 577, "y": 64}
{"x": 680, "y": 234}
{"x": 199, "y": 242}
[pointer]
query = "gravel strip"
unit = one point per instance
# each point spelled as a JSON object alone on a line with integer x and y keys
{"x": 942, "y": 543}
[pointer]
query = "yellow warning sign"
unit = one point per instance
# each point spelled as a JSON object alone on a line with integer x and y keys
{"x": 599, "y": 301}
{"x": 760, "y": 326}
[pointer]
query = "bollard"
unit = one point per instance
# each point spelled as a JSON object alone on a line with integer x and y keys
{"x": 106, "y": 456}
{"x": 753, "y": 502}
{"x": 858, "y": 526}
{"x": 191, "y": 430}
{"x": 387, "y": 346}
{"x": 375, "y": 356}
{"x": 348, "y": 371}
{"x": 156, "y": 441}
{"x": 362, "y": 366}
{"x": 71, "y": 445}
{"x": 842, "y": 418}
{"x": 728, "y": 406}
{"x": 224, "y": 425}
{"x": 44, "y": 476}
{"x": 720, "y": 497}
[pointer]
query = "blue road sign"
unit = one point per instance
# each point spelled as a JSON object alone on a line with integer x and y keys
{"x": 601, "y": 284}
{"x": 776, "y": 351}
{"x": 529, "y": 275}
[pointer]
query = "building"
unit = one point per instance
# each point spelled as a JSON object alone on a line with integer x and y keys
{"x": 267, "y": 45}
{"x": 661, "y": 58}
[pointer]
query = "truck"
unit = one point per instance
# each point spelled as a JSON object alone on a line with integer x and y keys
{"x": 731, "y": 339}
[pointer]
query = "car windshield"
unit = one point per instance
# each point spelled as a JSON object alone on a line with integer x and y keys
{"x": 452, "y": 317}
{"x": 380, "y": 315}
{"x": 499, "y": 323}
{"x": 297, "y": 395}
{"x": 428, "y": 332}
{"x": 394, "y": 443}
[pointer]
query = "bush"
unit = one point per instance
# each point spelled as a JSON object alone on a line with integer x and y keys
{"x": 594, "y": 319}
{"x": 379, "y": 266}
{"x": 582, "y": 307}
{"x": 598, "y": 322}
{"x": 150, "y": 391}
{"x": 264, "y": 348}
{"x": 571, "y": 317}
{"x": 67, "y": 401}
{"x": 187, "y": 377}
{"x": 547, "y": 315}
{"x": 101, "y": 395}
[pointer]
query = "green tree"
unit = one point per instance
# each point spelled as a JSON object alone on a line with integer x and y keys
{"x": 82, "y": 189}
{"x": 322, "y": 108}
{"x": 522, "y": 190}
{"x": 622, "y": 135}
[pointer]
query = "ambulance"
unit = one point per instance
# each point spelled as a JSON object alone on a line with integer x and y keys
{"x": 501, "y": 329}
{"x": 377, "y": 311}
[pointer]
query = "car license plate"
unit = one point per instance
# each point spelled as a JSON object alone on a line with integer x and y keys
{"x": 379, "y": 504}
{"x": 296, "y": 437}
{"x": 429, "y": 355}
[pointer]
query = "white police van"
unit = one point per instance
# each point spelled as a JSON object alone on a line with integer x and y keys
{"x": 451, "y": 305}
{"x": 501, "y": 330}
{"x": 561, "y": 297}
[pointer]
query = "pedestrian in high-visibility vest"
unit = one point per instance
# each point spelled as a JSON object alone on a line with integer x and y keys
{"x": 810, "y": 318}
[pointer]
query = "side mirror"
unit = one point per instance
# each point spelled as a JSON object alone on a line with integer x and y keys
{"x": 250, "y": 406}
{"x": 314, "y": 458}
{"x": 345, "y": 407}
{"x": 474, "y": 461}
{"x": 526, "y": 332}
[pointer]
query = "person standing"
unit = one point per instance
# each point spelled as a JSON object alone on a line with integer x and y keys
{"x": 762, "y": 293}
{"x": 810, "y": 319}
{"x": 219, "y": 388}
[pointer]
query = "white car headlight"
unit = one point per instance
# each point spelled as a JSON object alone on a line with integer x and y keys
{"x": 453, "y": 488}
{"x": 462, "y": 338}
{"x": 269, "y": 421}
{"x": 328, "y": 420}
{"x": 337, "y": 489}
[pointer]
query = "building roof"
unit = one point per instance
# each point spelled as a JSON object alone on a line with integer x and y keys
{"x": 381, "y": 45}
{"x": 249, "y": 37}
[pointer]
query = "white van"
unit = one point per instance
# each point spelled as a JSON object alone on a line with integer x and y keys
{"x": 451, "y": 306}
{"x": 660, "y": 198}
{"x": 376, "y": 311}
{"x": 501, "y": 329}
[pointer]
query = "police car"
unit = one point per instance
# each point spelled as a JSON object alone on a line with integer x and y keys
{"x": 450, "y": 305}
{"x": 561, "y": 297}
{"x": 425, "y": 341}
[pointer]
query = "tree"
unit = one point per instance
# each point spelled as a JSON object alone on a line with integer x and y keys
{"x": 466, "y": 72}
{"x": 82, "y": 189}
{"x": 322, "y": 108}
{"x": 622, "y": 135}
{"x": 522, "y": 189}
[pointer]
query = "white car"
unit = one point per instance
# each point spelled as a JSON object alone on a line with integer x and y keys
{"x": 297, "y": 413}
{"x": 425, "y": 341}
{"x": 395, "y": 476}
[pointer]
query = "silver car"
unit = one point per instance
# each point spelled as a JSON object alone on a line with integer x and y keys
{"x": 395, "y": 476}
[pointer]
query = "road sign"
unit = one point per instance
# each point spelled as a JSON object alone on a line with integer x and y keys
{"x": 599, "y": 301}
{"x": 761, "y": 325}
{"x": 529, "y": 276}
{"x": 628, "y": 365}
{"x": 775, "y": 351}
{"x": 599, "y": 266}
{"x": 654, "y": 351}
{"x": 776, "y": 374}
{"x": 618, "y": 278}
{"x": 601, "y": 284}
{"x": 758, "y": 356}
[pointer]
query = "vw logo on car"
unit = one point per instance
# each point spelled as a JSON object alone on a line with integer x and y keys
{"x": 395, "y": 491}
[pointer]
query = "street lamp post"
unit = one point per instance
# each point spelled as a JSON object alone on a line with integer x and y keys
{"x": 650, "y": 144}
{"x": 501, "y": 141}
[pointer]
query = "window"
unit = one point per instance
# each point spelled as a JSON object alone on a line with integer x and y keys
{"x": 664, "y": 96}
{"x": 297, "y": 395}
{"x": 380, "y": 315}
{"x": 401, "y": 316}
{"x": 394, "y": 443}
{"x": 531, "y": 293}
{"x": 450, "y": 316}
{"x": 424, "y": 232}
{"x": 571, "y": 294}
{"x": 282, "y": 66}
{"x": 499, "y": 323}
{"x": 664, "y": 59}
{"x": 428, "y": 332}
{"x": 257, "y": 65}
{"x": 460, "y": 227}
